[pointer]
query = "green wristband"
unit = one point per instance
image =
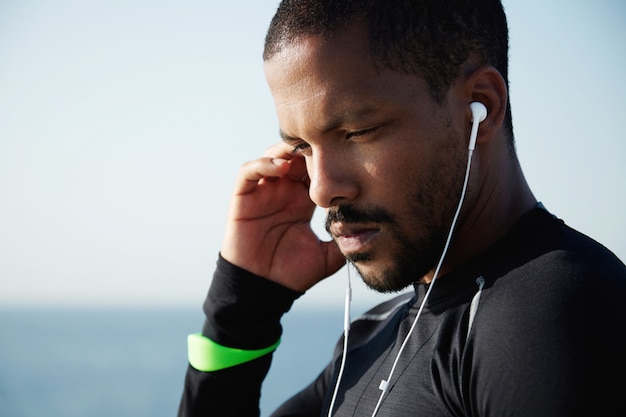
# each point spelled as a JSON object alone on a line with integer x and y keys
{"x": 207, "y": 356}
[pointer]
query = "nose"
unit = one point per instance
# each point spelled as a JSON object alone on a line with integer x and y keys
{"x": 333, "y": 178}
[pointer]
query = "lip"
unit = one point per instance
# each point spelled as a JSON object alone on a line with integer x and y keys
{"x": 352, "y": 239}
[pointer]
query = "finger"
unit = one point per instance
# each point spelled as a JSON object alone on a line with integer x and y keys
{"x": 253, "y": 171}
{"x": 280, "y": 150}
{"x": 297, "y": 170}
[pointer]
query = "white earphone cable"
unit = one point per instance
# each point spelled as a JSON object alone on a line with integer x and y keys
{"x": 346, "y": 332}
{"x": 384, "y": 384}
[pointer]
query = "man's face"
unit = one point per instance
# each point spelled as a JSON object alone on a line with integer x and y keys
{"x": 383, "y": 158}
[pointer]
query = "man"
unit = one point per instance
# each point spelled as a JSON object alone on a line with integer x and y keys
{"x": 514, "y": 313}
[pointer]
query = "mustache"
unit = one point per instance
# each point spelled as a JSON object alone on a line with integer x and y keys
{"x": 349, "y": 214}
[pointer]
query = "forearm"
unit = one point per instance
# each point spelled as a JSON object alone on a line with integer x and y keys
{"x": 243, "y": 311}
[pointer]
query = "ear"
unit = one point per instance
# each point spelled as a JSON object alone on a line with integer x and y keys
{"x": 486, "y": 85}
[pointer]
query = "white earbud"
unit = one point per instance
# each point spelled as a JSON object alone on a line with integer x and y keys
{"x": 479, "y": 113}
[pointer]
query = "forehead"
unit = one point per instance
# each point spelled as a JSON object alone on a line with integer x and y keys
{"x": 331, "y": 77}
{"x": 314, "y": 59}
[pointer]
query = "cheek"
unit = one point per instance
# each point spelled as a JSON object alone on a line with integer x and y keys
{"x": 393, "y": 182}
{"x": 419, "y": 186}
{"x": 397, "y": 169}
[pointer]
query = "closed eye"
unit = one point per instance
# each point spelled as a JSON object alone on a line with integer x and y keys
{"x": 358, "y": 133}
{"x": 300, "y": 147}
{"x": 297, "y": 145}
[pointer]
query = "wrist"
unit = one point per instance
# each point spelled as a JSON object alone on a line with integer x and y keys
{"x": 244, "y": 310}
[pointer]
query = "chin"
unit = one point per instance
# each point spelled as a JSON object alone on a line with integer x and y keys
{"x": 390, "y": 274}
{"x": 383, "y": 279}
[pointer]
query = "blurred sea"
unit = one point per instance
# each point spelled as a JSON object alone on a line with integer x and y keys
{"x": 123, "y": 363}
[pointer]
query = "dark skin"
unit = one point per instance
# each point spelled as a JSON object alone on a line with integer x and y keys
{"x": 355, "y": 135}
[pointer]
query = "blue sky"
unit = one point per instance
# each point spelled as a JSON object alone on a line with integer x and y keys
{"x": 123, "y": 124}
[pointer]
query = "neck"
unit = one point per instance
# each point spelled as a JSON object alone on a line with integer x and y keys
{"x": 498, "y": 196}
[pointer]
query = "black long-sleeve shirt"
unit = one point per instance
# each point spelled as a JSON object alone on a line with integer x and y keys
{"x": 535, "y": 326}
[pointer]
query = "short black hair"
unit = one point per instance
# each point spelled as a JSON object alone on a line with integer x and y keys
{"x": 428, "y": 38}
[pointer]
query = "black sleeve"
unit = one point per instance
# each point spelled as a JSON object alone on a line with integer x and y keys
{"x": 242, "y": 311}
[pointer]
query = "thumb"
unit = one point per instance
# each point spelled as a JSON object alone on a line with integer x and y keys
{"x": 334, "y": 258}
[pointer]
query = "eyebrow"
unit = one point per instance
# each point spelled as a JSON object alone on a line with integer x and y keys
{"x": 336, "y": 122}
{"x": 286, "y": 138}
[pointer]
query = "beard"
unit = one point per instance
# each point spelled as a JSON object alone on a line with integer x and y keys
{"x": 418, "y": 242}
{"x": 412, "y": 258}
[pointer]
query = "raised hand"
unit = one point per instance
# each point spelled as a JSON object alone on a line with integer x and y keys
{"x": 268, "y": 229}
